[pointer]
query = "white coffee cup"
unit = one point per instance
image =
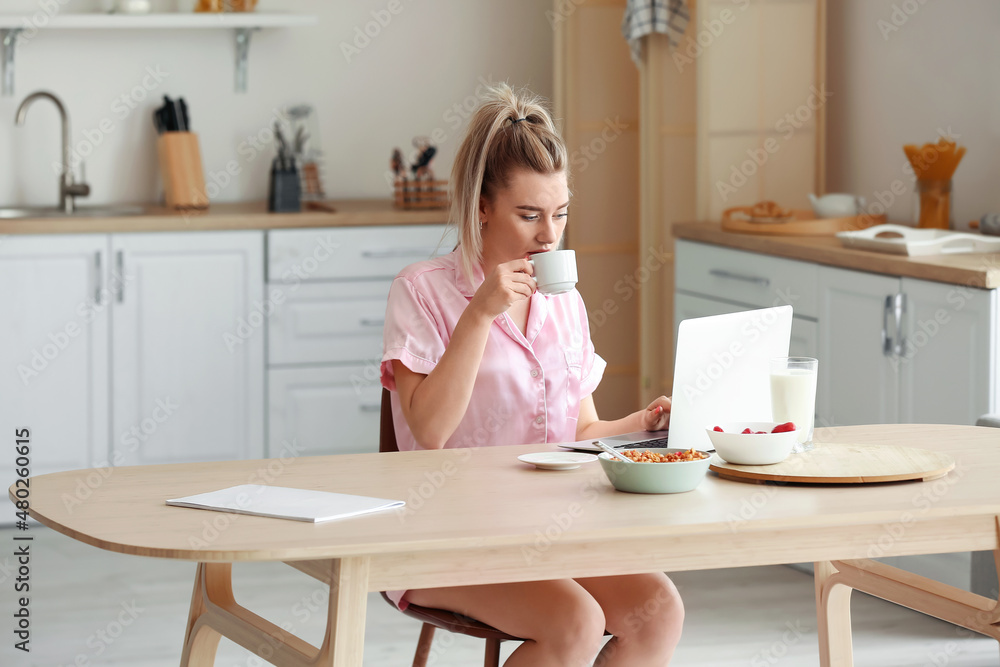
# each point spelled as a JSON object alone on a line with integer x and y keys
{"x": 555, "y": 271}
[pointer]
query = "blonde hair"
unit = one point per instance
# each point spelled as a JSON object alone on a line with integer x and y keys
{"x": 508, "y": 131}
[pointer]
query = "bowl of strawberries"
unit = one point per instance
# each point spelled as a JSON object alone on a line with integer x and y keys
{"x": 753, "y": 443}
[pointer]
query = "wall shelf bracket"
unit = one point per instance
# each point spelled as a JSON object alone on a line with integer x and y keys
{"x": 8, "y": 40}
{"x": 242, "y": 57}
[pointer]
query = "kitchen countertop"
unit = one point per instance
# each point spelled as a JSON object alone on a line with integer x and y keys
{"x": 974, "y": 270}
{"x": 230, "y": 216}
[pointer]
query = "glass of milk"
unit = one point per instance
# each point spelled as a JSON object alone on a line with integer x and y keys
{"x": 793, "y": 396}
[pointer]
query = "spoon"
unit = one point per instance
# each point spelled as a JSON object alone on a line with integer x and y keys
{"x": 613, "y": 452}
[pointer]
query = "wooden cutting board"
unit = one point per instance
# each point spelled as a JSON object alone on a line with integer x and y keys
{"x": 844, "y": 464}
{"x": 802, "y": 223}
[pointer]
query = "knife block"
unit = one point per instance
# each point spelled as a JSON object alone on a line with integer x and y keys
{"x": 180, "y": 167}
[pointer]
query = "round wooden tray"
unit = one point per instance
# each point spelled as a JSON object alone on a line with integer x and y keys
{"x": 802, "y": 223}
{"x": 843, "y": 464}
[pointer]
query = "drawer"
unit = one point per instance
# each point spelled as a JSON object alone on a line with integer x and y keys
{"x": 331, "y": 322}
{"x": 332, "y": 410}
{"x": 750, "y": 278}
{"x": 302, "y": 255}
{"x": 805, "y": 332}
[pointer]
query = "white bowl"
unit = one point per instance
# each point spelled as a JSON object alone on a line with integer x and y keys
{"x": 752, "y": 449}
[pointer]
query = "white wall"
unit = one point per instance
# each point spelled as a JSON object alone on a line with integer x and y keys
{"x": 428, "y": 58}
{"x": 940, "y": 69}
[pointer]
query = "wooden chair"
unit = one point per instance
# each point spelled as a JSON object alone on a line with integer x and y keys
{"x": 438, "y": 618}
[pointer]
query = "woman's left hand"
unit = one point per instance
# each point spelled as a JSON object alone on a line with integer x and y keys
{"x": 656, "y": 416}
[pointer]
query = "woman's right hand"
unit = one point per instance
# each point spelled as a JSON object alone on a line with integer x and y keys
{"x": 506, "y": 285}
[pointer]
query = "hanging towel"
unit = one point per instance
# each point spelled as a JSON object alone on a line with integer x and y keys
{"x": 644, "y": 17}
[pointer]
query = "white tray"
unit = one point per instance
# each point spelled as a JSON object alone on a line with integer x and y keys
{"x": 902, "y": 240}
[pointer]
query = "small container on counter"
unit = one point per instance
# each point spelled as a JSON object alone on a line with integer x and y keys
{"x": 933, "y": 165}
{"x": 285, "y": 192}
{"x": 933, "y": 204}
{"x": 181, "y": 169}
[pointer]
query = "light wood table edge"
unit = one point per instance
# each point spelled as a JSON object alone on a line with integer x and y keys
{"x": 508, "y": 547}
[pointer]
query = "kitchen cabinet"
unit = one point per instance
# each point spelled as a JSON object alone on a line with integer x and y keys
{"x": 856, "y": 383}
{"x": 325, "y": 334}
{"x": 596, "y": 96}
{"x": 926, "y": 351}
{"x": 54, "y": 344}
{"x": 891, "y": 349}
{"x": 714, "y": 281}
{"x": 188, "y": 333}
{"x": 952, "y": 334}
{"x": 325, "y": 409}
{"x": 132, "y": 348}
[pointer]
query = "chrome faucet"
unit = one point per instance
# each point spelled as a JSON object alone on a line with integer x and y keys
{"x": 68, "y": 188}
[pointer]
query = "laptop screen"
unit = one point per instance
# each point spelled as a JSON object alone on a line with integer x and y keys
{"x": 721, "y": 371}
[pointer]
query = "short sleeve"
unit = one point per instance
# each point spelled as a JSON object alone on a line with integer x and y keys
{"x": 593, "y": 364}
{"x": 411, "y": 333}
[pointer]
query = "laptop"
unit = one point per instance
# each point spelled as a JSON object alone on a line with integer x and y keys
{"x": 721, "y": 374}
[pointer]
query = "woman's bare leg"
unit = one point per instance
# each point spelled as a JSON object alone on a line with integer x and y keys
{"x": 645, "y": 614}
{"x": 562, "y": 623}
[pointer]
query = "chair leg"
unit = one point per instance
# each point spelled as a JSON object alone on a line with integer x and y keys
{"x": 424, "y": 645}
{"x": 492, "y": 653}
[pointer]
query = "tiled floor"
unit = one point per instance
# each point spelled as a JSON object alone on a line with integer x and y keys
{"x": 93, "y": 608}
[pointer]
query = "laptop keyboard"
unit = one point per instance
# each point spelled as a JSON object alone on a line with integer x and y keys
{"x": 656, "y": 442}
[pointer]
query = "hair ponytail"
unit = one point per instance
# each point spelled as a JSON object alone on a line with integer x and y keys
{"x": 508, "y": 131}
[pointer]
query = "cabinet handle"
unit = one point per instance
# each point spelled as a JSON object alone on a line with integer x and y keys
{"x": 398, "y": 252}
{"x": 886, "y": 340}
{"x": 370, "y": 407}
{"x": 120, "y": 268}
{"x": 99, "y": 281}
{"x": 722, "y": 273}
{"x": 368, "y": 322}
{"x": 899, "y": 307}
{"x": 895, "y": 304}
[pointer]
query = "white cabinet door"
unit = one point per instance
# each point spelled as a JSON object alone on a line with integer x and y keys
{"x": 188, "y": 337}
{"x": 324, "y": 410}
{"x": 856, "y": 384}
{"x": 949, "y": 355}
{"x": 54, "y": 350}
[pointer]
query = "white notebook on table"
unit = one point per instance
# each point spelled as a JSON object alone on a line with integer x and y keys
{"x": 286, "y": 503}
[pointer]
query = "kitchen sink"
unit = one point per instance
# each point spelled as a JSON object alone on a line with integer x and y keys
{"x": 79, "y": 212}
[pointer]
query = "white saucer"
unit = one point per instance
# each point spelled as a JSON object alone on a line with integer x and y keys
{"x": 557, "y": 460}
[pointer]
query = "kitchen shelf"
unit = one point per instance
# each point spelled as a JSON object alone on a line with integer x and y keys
{"x": 242, "y": 23}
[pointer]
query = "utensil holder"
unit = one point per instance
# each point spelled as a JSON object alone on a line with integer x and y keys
{"x": 180, "y": 167}
{"x": 225, "y": 6}
{"x": 420, "y": 194}
{"x": 285, "y": 193}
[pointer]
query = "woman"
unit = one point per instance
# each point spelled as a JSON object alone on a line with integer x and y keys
{"x": 474, "y": 356}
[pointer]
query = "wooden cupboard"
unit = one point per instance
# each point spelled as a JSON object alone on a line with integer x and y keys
{"x": 741, "y": 97}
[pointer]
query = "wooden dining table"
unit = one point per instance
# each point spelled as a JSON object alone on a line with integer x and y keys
{"x": 476, "y": 516}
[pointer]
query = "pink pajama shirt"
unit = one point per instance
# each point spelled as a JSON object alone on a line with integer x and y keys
{"x": 529, "y": 386}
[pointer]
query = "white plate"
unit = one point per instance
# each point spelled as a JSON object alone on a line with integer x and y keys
{"x": 557, "y": 460}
